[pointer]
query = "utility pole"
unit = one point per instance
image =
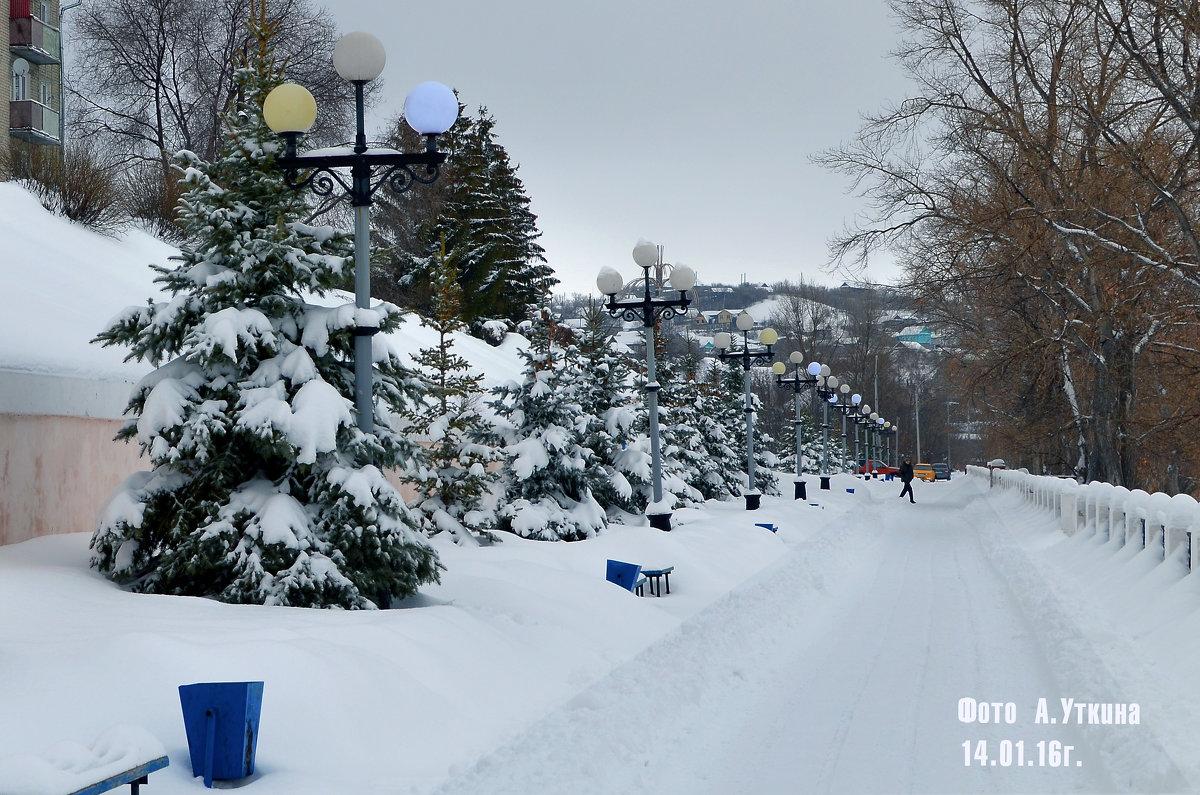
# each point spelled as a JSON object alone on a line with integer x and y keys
{"x": 62, "y": 76}
{"x": 949, "y": 403}
{"x": 917, "y": 418}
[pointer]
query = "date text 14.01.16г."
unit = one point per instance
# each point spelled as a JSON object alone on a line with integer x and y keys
{"x": 1014, "y": 753}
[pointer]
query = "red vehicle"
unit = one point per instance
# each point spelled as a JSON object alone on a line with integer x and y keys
{"x": 878, "y": 468}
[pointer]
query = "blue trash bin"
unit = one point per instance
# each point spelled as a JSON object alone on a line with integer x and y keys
{"x": 221, "y": 720}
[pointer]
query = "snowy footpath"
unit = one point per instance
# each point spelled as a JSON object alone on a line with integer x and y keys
{"x": 909, "y": 648}
{"x": 962, "y": 644}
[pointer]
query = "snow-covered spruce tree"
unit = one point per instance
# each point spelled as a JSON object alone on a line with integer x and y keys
{"x": 694, "y": 446}
{"x": 456, "y": 484}
{"x": 263, "y": 490}
{"x": 621, "y": 478}
{"x": 480, "y": 210}
{"x": 547, "y": 469}
{"x": 732, "y": 379}
{"x": 812, "y": 443}
{"x": 722, "y": 405}
{"x": 491, "y": 234}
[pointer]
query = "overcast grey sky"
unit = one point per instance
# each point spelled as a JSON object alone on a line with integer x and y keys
{"x": 687, "y": 123}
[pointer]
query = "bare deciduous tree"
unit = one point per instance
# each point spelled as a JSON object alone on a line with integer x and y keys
{"x": 1041, "y": 186}
{"x": 157, "y": 76}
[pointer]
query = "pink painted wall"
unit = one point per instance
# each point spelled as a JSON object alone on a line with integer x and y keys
{"x": 56, "y": 472}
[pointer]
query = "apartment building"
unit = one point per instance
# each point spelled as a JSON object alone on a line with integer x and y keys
{"x": 33, "y": 49}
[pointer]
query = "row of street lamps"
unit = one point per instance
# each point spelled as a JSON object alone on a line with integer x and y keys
{"x": 431, "y": 109}
{"x": 650, "y": 310}
{"x": 837, "y": 395}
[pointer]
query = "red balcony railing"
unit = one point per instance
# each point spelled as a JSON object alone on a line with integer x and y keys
{"x": 30, "y": 37}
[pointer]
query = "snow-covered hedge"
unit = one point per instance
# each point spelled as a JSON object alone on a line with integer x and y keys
{"x": 1115, "y": 513}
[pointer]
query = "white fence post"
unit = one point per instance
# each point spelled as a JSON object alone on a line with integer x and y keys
{"x": 1117, "y": 514}
{"x": 1117, "y": 520}
{"x": 1181, "y": 520}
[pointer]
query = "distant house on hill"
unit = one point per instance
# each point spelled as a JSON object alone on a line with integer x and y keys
{"x": 34, "y": 66}
{"x": 920, "y": 335}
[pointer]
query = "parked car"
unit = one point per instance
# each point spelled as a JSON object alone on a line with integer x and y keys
{"x": 924, "y": 472}
{"x": 879, "y": 468}
{"x": 941, "y": 471}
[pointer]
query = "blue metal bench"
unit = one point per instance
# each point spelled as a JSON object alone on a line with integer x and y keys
{"x": 134, "y": 777}
{"x": 627, "y": 575}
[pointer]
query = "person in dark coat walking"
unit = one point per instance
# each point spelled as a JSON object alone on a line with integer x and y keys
{"x": 906, "y": 474}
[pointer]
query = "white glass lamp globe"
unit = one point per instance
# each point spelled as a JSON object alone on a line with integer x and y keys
{"x": 820, "y": 380}
{"x": 866, "y": 409}
{"x": 645, "y": 254}
{"x": 814, "y": 369}
{"x": 831, "y": 382}
{"x": 745, "y": 322}
{"x": 880, "y": 421}
{"x": 796, "y": 357}
{"x": 290, "y": 108}
{"x": 359, "y": 57}
{"x": 825, "y": 370}
{"x": 887, "y": 426}
{"x": 874, "y": 416}
{"x": 431, "y": 108}
{"x": 833, "y": 398}
{"x": 682, "y": 278}
{"x": 779, "y": 368}
{"x": 721, "y": 340}
{"x": 769, "y": 336}
{"x": 856, "y": 398}
{"x": 844, "y": 388}
{"x": 609, "y": 281}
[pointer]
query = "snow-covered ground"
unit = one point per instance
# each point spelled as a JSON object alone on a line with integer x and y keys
{"x": 832, "y": 656}
{"x": 63, "y": 283}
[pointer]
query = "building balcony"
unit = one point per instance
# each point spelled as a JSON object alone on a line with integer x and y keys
{"x": 31, "y": 38}
{"x": 33, "y": 122}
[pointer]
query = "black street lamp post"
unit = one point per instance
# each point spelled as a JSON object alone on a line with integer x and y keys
{"x": 845, "y": 408}
{"x": 430, "y": 109}
{"x": 862, "y": 420}
{"x": 949, "y": 403}
{"x": 798, "y": 383}
{"x": 649, "y": 311}
{"x": 855, "y": 414}
{"x": 760, "y": 355}
{"x": 827, "y": 388}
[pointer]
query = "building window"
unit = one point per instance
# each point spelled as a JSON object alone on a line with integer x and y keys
{"x": 47, "y": 98}
{"x": 20, "y": 85}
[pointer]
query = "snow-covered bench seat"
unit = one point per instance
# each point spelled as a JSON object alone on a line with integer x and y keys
{"x": 134, "y": 777}
{"x": 121, "y": 755}
{"x": 656, "y": 577}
